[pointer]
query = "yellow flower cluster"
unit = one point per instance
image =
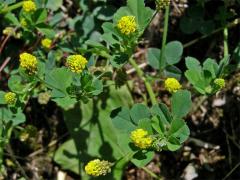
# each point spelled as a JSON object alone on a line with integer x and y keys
{"x": 141, "y": 139}
{"x": 127, "y": 25}
{"x": 23, "y": 22}
{"x": 46, "y": 43}
{"x": 9, "y": 31}
{"x": 172, "y": 85}
{"x": 10, "y": 98}
{"x": 98, "y": 168}
{"x": 162, "y": 4}
{"x": 76, "y": 63}
{"x": 44, "y": 97}
{"x": 29, "y": 6}
{"x": 28, "y": 62}
{"x": 220, "y": 82}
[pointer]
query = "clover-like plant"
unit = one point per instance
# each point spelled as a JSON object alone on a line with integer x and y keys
{"x": 208, "y": 78}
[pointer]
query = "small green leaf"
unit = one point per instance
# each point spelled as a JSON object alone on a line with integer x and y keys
{"x": 109, "y": 28}
{"x": 153, "y": 58}
{"x": 66, "y": 103}
{"x": 162, "y": 111}
{"x": 223, "y": 65}
{"x": 54, "y": 5}
{"x": 195, "y": 74}
{"x": 181, "y": 103}
{"x": 63, "y": 153}
{"x": 46, "y": 30}
{"x": 104, "y": 13}
{"x": 109, "y": 39}
{"x": 97, "y": 45}
{"x": 15, "y": 84}
{"x": 5, "y": 115}
{"x": 59, "y": 79}
{"x": 51, "y": 62}
{"x": 135, "y": 8}
{"x": 158, "y": 125}
{"x": 118, "y": 60}
{"x": 141, "y": 159}
{"x": 121, "y": 119}
{"x": 211, "y": 65}
{"x": 18, "y": 118}
{"x": 145, "y": 124}
{"x": 192, "y": 63}
{"x": 173, "y": 52}
{"x": 39, "y": 16}
{"x": 87, "y": 25}
{"x": 98, "y": 87}
{"x": 173, "y": 144}
{"x": 179, "y": 130}
{"x": 2, "y": 101}
{"x": 12, "y": 18}
{"x": 139, "y": 111}
{"x": 197, "y": 79}
{"x": 173, "y": 71}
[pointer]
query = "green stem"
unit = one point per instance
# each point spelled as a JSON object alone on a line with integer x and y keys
{"x": 164, "y": 39}
{"x": 229, "y": 25}
{"x": 5, "y": 135}
{"x": 12, "y": 7}
{"x": 147, "y": 84}
{"x": 11, "y": 153}
{"x": 225, "y": 41}
{"x": 1, "y": 157}
{"x": 151, "y": 173}
{"x": 1, "y": 148}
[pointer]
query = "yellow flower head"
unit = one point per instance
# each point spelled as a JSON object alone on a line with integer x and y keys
{"x": 127, "y": 25}
{"x": 23, "y": 22}
{"x": 162, "y": 4}
{"x": 98, "y": 168}
{"x": 46, "y": 43}
{"x": 44, "y": 97}
{"x": 220, "y": 82}
{"x": 9, "y": 31}
{"x": 29, "y": 6}
{"x": 76, "y": 63}
{"x": 10, "y": 98}
{"x": 172, "y": 85}
{"x": 28, "y": 62}
{"x": 141, "y": 139}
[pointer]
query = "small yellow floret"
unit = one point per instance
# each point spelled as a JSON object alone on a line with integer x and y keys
{"x": 23, "y": 22}
{"x": 172, "y": 85}
{"x": 10, "y": 98}
{"x": 28, "y": 62}
{"x": 46, "y": 43}
{"x": 29, "y": 6}
{"x": 220, "y": 82}
{"x": 98, "y": 168}
{"x": 76, "y": 63}
{"x": 127, "y": 25}
{"x": 162, "y": 4}
{"x": 9, "y": 31}
{"x": 141, "y": 139}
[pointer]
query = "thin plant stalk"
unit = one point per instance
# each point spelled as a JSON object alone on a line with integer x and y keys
{"x": 146, "y": 82}
{"x": 152, "y": 174}
{"x": 165, "y": 31}
{"x": 225, "y": 41}
{"x": 11, "y": 8}
{"x": 1, "y": 150}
